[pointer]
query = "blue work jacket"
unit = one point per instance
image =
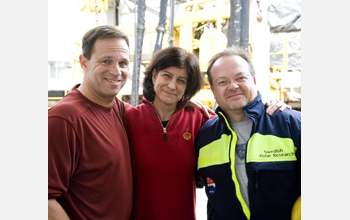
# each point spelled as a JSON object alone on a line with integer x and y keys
{"x": 273, "y": 162}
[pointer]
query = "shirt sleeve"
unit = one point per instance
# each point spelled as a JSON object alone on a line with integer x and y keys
{"x": 62, "y": 156}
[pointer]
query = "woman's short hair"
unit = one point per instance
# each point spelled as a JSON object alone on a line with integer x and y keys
{"x": 174, "y": 57}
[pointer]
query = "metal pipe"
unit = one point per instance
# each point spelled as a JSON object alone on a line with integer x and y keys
{"x": 161, "y": 25}
{"x": 234, "y": 25}
{"x": 139, "y": 32}
{"x": 245, "y": 25}
{"x": 171, "y": 28}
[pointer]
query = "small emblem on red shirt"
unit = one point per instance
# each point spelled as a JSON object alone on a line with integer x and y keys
{"x": 187, "y": 135}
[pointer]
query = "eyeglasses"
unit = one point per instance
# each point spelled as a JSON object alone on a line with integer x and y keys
{"x": 225, "y": 82}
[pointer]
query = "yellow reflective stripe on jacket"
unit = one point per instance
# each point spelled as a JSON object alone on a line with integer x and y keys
{"x": 270, "y": 148}
{"x": 233, "y": 171}
{"x": 218, "y": 152}
{"x": 215, "y": 153}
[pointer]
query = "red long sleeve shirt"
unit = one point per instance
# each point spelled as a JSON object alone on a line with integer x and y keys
{"x": 163, "y": 170}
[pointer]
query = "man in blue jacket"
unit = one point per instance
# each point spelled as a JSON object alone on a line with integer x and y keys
{"x": 248, "y": 161}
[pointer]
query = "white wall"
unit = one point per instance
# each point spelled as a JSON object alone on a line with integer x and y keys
{"x": 66, "y": 26}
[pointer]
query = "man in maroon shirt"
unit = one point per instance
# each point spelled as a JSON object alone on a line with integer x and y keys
{"x": 89, "y": 170}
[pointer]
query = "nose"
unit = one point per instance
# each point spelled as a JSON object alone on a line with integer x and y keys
{"x": 233, "y": 82}
{"x": 116, "y": 70}
{"x": 172, "y": 84}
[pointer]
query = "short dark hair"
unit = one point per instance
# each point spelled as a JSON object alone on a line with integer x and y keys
{"x": 174, "y": 57}
{"x": 100, "y": 32}
{"x": 230, "y": 51}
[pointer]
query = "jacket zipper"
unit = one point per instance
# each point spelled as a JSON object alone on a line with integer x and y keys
{"x": 244, "y": 205}
{"x": 164, "y": 132}
{"x": 256, "y": 185}
{"x": 164, "y": 128}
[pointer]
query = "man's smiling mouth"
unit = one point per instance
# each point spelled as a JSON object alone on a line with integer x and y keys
{"x": 113, "y": 81}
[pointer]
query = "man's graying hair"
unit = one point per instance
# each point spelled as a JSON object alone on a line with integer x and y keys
{"x": 230, "y": 51}
{"x": 100, "y": 32}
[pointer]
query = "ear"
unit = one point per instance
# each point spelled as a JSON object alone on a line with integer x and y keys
{"x": 254, "y": 80}
{"x": 83, "y": 61}
{"x": 212, "y": 91}
{"x": 154, "y": 74}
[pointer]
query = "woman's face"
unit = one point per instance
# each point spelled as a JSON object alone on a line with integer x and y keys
{"x": 169, "y": 85}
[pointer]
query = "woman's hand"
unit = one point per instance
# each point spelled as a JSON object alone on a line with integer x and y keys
{"x": 198, "y": 105}
{"x": 275, "y": 104}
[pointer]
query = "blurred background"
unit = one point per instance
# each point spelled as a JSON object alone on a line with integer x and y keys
{"x": 269, "y": 30}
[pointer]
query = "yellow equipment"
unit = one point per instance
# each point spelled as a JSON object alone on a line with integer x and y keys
{"x": 92, "y": 5}
{"x": 296, "y": 211}
{"x": 276, "y": 86}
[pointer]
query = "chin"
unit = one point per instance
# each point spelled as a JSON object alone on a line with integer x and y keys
{"x": 169, "y": 101}
{"x": 112, "y": 93}
{"x": 237, "y": 106}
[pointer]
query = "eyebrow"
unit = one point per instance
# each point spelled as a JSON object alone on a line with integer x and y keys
{"x": 110, "y": 57}
{"x": 167, "y": 72}
{"x": 173, "y": 74}
{"x": 225, "y": 77}
{"x": 106, "y": 57}
{"x": 240, "y": 73}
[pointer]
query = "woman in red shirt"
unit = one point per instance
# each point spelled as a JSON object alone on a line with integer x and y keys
{"x": 161, "y": 132}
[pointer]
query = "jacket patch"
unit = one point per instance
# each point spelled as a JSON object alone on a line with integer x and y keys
{"x": 211, "y": 186}
{"x": 187, "y": 135}
{"x": 269, "y": 148}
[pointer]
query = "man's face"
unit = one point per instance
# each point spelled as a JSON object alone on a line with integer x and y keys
{"x": 106, "y": 71}
{"x": 232, "y": 96}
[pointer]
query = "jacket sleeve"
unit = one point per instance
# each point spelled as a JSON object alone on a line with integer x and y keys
{"x": 298, "y": 152}
{"x": 199, "y": 180}
{"x": 295, "y": 125}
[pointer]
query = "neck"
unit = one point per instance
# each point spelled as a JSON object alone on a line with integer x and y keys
{"x": 165, "y": 112}
{"x": 236, "y": 115}
{"x": 94, "y": 97}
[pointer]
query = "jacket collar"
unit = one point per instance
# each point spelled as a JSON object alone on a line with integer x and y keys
{"x": 180, "y": 106}
{"x": 253, "y": 110}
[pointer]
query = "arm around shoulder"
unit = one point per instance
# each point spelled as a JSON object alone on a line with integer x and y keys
{"x": 55, "y": 211}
